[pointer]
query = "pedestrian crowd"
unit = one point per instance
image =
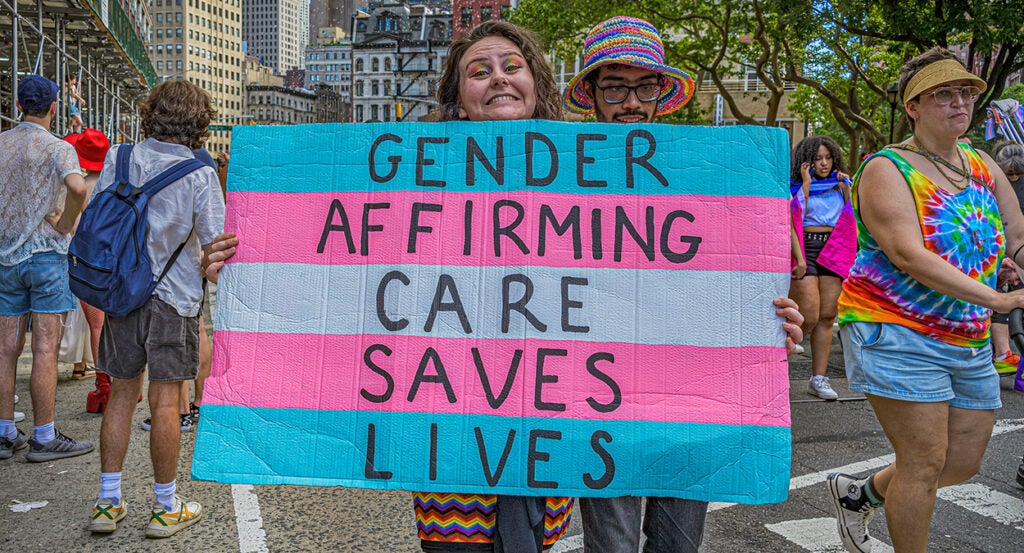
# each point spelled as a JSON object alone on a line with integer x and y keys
{"x": 908, "y": 253}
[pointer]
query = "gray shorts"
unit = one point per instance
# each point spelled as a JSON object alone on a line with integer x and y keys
{"x": 154, "y": 334}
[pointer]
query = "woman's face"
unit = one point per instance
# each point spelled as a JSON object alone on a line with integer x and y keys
{"x": 822, "y": 163}
{"x": 953, "y": 118}
{"x": 495, "y": 83}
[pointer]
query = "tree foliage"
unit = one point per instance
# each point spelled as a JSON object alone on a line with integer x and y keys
{"x": 831, "y": 61}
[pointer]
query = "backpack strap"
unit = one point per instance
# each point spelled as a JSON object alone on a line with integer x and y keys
{"x": 124, "y": 155}
{"x": 163, "y": 180}
{"x": 171, "y": 174}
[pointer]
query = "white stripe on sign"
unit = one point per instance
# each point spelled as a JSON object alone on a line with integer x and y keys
{"x": 987, "y": 502}
{"x": 1002, "y": 426}
{"x": 819, "y": 535}
{"x": 251, "y": 536}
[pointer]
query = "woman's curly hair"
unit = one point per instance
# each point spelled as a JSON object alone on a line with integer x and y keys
{"x": 549, "y": 100}
{"x": 807, "y": 149}
{"x": 178, "y": 112}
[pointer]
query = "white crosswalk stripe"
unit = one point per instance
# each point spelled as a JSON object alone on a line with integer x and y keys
{"x": 819, "y": 535}
{"x": 987, "y": 502}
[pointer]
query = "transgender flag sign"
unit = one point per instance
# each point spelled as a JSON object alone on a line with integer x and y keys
{"x": 518, "y": 307}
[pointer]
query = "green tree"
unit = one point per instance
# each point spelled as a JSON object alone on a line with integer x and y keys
{"x": 842, "y": 55}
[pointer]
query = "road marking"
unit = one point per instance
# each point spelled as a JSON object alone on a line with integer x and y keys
{"x": 251, "y": 536}
{"x": 987, "y": 502}
{"x": 1002, "y": 426}
{"x": 566, "y": 545}
{"x": 819, "y": 535}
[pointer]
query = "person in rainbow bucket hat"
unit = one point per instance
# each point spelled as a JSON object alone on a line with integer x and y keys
{"x": 625, "y": 80}
{"x": 624, "y": 77}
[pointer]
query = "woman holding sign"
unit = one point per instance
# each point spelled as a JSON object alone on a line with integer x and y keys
{"x": 824, "y": 241}
{"x": 495, "y": 72}
{"x": 915, "y": 308}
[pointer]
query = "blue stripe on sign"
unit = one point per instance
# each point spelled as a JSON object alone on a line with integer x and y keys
{"x": 686, "y": 307}
{"x": 722, "y": 161}
{"x": 241, "y": 445}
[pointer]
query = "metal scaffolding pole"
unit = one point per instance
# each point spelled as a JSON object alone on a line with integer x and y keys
{"x": 15, "y": 22}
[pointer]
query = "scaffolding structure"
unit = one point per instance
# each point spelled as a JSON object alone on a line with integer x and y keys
{"x": 94, "y": 40}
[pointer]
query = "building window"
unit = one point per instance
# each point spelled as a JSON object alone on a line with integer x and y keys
{"x": 359, "y": 114}
{"x": 466, "y": 20}
{"x": 375, "y": 65}
{"x": 359, "y": 65}
{"x": 387, "y": 64}
{"x": 485, "y": 13}
{"x": 375, "y": 89}
{"x": 159, "y": 65}
{"x": 373, "y": 112}
{"x": 504, "y": 10}
{"x": 359, "y": 88}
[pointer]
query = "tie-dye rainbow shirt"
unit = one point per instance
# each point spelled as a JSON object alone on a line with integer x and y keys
{"x": 964, "y": 229}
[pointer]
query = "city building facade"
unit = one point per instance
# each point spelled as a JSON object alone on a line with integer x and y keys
{"x": 467, "y": 14}
{"x": 201, "y": 40}
{"x": 279, "y": 105}
{"x": 275, "y": 33}
{"x": 398, "y": 53}
{"x": 331, "y": 13}
{"x": 330, "y": 65}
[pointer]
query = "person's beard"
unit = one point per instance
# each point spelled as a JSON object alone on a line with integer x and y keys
{"x": 646, "y": 118}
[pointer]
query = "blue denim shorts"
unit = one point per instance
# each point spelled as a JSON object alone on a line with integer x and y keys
{"x": 895, "y": 362}
{"x": 39, "y": 284}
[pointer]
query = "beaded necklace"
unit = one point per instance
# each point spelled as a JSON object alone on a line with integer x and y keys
{"x": 939, "y": 161}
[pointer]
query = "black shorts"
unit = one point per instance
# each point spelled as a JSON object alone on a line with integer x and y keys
{"x": 154, "y": 335}
{"x": 814, "y": 242}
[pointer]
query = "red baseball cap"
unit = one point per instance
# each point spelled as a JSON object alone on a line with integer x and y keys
{"x": 92, "y": 146}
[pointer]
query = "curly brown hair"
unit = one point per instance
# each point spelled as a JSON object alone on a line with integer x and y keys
{"x": 807, "y": 149}
{"x": 178, "y": 112}
{"x": 549, "y": 100}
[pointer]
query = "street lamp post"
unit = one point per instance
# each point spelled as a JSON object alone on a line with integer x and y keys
{"x": 891, "y": 95}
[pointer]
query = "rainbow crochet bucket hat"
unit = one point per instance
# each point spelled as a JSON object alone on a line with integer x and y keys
{"x": 634, "y": 42}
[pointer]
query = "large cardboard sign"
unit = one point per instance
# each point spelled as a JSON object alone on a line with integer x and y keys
{"x": 518, "y": 307}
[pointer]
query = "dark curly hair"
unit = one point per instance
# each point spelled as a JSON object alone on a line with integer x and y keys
{"x": 807, "y": 149}
{"x": 549, "y": 100}
{"x": 178, "y": 112}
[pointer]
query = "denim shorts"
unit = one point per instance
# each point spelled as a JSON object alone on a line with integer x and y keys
{"x": 893, "y": 361}
{"x": 155, "y": 335}
{"x": 39, "y": 284}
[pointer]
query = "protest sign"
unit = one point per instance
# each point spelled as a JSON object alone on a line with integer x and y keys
{"x": 516, "y": 307}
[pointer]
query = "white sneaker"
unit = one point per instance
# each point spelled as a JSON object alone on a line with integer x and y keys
{"x": 853, "y": 512}
{"x": 19, "y": 416}
{"x": 15, "y": 399}
{"x": 799, "y": 349}
{"x": 820, "y": 386}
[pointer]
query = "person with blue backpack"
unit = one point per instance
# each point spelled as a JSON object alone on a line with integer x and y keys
{"x": 137, "y": 257}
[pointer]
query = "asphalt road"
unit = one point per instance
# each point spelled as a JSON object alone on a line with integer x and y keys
{"x": 985, "y": 515}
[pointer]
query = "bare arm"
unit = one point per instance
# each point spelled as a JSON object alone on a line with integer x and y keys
{"x": 797, "y": 252}
{"x": 73, "y": 204}
{"x": 887, "y": 209}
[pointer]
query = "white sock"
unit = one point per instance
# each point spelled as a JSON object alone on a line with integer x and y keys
{"x": 165, "y": 494}
{"x": 110, "y": 486}
{"x": 45, "y": 433}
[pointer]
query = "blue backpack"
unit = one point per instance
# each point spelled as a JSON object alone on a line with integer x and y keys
{"x": 108, "y": 262}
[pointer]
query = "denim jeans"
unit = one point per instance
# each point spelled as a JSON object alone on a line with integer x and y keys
{"x": 613, "y": 525}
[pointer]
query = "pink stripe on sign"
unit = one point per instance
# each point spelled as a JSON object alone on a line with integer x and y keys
{"x": 743, "y": 385}
{"x": 734, "y": 233}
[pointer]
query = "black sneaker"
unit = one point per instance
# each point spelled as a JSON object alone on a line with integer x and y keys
{"x": 186, "y": 423}
{"x": 853, "y": 511}
{"x": 60, "y": 447}
{"x": 193, "y": 411}
{"x": 1020, "y": 474}
{"x": 9, "y": 446}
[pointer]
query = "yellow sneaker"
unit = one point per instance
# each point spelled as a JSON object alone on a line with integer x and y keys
{"x": 164, "y": 523}
{"x": 106, "y": 515}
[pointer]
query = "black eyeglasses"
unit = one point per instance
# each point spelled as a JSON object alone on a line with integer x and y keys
{"x": 616, "y": 94}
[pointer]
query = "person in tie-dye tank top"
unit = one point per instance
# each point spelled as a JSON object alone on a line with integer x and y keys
{"x": 934, "y": 221}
